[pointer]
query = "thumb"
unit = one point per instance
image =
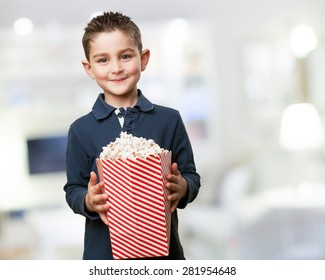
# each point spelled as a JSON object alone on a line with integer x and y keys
{"x": 174, "y": 169}
{"x": 93, "y": 178}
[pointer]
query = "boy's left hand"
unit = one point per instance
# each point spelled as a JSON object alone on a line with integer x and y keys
{"x": 177, "y": 186}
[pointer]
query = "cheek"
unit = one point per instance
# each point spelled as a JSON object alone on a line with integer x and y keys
{"x": 134, "y": 68}
{"x": 99, "y": 74}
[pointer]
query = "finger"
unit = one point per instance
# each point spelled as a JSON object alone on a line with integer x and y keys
{"x": 93, "y": 190}
{"x": 100, "y": 199}
{"x": 173, "y": 197}
{"x": 173, "y": 205}
{"x": 103, "y": 216}
{"x": 101, "y": 209}
{"x": 174, "y": 169}
{"x": 173, "y": 186}
{"x": 172, "y": 178}
{"x": 93, "y": 178}
{"x": 97, "y": 189}
{"x": 102, "y": 187}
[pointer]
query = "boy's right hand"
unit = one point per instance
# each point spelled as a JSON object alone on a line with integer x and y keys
{"x": 96, "y": 198}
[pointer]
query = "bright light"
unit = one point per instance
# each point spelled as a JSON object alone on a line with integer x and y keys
{"x": 303, "y": 40}
{"x": 301, "y": 127}
{"x": 180, "y": 27}
{"x": 23, "y": 26}
{"x": 175, "y": 35}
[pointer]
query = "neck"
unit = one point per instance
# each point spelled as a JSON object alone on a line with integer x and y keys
{"x": 121, "y": 101}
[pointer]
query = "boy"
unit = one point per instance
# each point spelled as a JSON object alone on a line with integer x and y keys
{"x": 115, "y": 60}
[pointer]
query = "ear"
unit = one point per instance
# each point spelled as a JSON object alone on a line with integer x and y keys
{"x": 145, "y": 59}
{"x": 87, "y": 68}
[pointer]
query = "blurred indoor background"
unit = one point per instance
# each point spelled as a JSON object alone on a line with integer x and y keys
{"x": 248, "y": 79}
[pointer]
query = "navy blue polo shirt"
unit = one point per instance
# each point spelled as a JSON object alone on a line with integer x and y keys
{"x": 86, "y": 137}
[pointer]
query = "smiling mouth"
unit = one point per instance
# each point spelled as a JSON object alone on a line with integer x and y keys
{"x": 119, "y": 80}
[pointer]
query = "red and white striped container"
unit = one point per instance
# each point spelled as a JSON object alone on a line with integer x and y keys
{"x": 139, "y": 215}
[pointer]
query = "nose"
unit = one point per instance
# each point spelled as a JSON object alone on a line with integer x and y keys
{"x": 116, "y": 66}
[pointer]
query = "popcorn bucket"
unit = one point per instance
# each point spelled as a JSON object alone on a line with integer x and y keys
{"x": 139, "y": 215}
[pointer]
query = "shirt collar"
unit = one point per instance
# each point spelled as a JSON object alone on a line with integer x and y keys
{"x": 102, "y": 110}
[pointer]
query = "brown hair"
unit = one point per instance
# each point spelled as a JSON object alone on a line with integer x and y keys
{"x": 109, "y": 22}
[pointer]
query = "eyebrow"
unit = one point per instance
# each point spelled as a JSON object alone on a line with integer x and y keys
{"x": 121, "y": 51}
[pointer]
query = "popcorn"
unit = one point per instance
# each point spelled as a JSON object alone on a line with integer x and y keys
{"x": 130, "y": 147}
{"x": 134, "y": 173}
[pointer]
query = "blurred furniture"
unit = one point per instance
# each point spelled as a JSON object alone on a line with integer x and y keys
{"x": 288, "y": 224}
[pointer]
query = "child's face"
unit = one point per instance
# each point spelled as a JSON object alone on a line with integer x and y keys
{"x": 116, "y": 64}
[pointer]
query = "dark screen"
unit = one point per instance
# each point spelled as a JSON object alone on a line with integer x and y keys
{"x": 46, "y": 155}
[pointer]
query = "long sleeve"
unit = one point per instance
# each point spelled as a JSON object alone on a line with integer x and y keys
{"x": 183, "y": 156}
{"x": 78, "y": 170}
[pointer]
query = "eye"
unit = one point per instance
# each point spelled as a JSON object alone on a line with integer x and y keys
{"x": 103, "y": 60}
{"x": 125, "y": 56}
